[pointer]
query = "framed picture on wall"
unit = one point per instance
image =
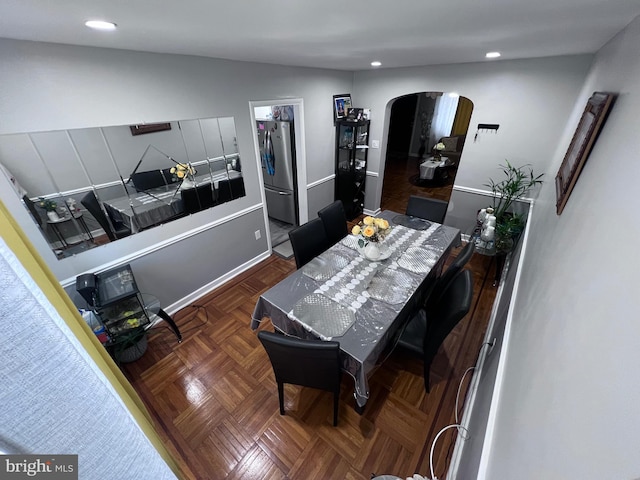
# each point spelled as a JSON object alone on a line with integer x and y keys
{"x": 591, "y": 122}
{"x": 341, "y": 104}
{"x": 149, "y": 128}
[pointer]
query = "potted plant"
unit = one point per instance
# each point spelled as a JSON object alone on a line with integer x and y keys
{"x": 50, "y": 207}
{"x": 518, "y": 181}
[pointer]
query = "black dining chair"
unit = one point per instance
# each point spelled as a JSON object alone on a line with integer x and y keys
{"x": 425, "y": 332}
{"x": 334, "y": 219}
{"x": 198, "y": 198}
{"x": 148, "y": 180}
{"x": 230, "y": 189}
{"x": 430, "y": 209}
{"x": 449, "y": 274}
{"x": 119, "y": 230}
{"x": 33, "y": 210}
{"x": 308, "y": 363}
{"x": 308, "y": 241}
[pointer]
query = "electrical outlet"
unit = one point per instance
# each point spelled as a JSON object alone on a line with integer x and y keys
{"x": 258, "y": 235}
{"x": 375, "y": 143}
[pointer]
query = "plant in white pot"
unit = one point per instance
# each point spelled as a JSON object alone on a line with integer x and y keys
{"x": 50, "y": 207}
{"x": 518, "y": 181}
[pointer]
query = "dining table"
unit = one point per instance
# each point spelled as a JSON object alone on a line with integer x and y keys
{"x": 342, "y": 295}
{"x": 145, "y": 209}
{"x": 429, "y": 167}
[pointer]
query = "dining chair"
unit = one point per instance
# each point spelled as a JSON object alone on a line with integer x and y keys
{"x": 426, "y": 331}
{"x": 449, "y": 274}
{"x": 309, "y": 363}
{"x": 430, "y": 209}
{"x": 334, "y": 219}
{"x": 33, "y": 210}
{"x": 198, "y": 198}
{"x": 169, "y": 177}
{"x": 119, "y": 230}
{"x": 143, "y": 181}
{"x": 308, "y": 241}
{"x": 230, "y": 189}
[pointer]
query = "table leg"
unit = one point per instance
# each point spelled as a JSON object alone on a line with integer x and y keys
{"x": 165, "y": 316}
{"x": 85, "y": 227}
{"x": 59, "y": 235}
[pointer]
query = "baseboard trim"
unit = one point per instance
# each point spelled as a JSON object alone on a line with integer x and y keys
{"x": 211, "y": 286}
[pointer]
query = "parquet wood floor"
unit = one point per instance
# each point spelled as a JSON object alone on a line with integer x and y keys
{"x": 215, "y": 402}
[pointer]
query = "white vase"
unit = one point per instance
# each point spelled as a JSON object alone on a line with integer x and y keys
{"x": 53, "y": 216}
{"x": 372, "y": 251}
{"x": 187, "y": 183}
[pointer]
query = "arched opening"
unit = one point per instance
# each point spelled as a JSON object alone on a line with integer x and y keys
{"x": 418, "y": 122}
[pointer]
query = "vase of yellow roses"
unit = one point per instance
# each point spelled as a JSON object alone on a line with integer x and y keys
{"x": 184, "y": 173}
{"x": 371, "y": 232}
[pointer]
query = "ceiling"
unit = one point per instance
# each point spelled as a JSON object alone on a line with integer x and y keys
{"x": 328, "y": 33}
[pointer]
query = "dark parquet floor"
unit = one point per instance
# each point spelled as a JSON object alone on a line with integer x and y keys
{"x": 214, "y": 399}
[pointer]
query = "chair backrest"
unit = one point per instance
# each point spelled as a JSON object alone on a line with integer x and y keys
{"x": 310, "y": 363}
{"x": 308, "y": 241}
{"x": 230, "y": 189}
{"x": 169, "y": 177}
{"x": 147, "y": 180}
{"x": 199, "y": 198}
{"x": 442, "y": 317}
{"x": 334, "y": 219}
{"x": 92, "y": 205}
{"x": 445, "y": 279}
{"x": 430, "y": 209}
{"x": 32, "y": 208}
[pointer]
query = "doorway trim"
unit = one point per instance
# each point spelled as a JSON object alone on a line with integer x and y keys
{"x": 301, "y": 159}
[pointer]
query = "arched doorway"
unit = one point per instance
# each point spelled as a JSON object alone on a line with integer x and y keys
{"x": 417, "y": 122}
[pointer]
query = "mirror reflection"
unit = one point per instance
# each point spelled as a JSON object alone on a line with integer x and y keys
{"x": 87, "y": 187}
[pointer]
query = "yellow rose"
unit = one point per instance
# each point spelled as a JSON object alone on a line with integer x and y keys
{"x": 173, "y": 170}
{"x": 180, "y": 174}
{"x": 356, "y": 230}
{"x": 368, "y": 220}
{"x": 369, "y": 231}
{"x": 383, "y": 224}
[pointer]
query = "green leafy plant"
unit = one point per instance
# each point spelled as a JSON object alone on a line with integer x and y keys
{"x": 518, "y": 181}
{"x": 47, "y": 204}
{"x": 512, "y": 188}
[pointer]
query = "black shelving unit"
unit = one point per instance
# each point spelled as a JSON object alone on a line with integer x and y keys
{"x": 352, "y": 151}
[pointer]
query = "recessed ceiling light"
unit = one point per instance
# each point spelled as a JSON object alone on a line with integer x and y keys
{"x": 492, "y": 55}
{"x": 376, "y": 64}
{"x": 100, "y": 25}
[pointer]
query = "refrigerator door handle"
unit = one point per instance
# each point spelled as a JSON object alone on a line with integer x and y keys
{"x": 279, "y": 192}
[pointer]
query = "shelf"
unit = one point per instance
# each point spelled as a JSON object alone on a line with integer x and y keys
{"x": 351, "y": 164}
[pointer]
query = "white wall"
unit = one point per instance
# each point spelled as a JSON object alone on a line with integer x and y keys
{"x": 530, "y": 99}
{"x": 568, "y": 408}
{"x": 53, "y": 87}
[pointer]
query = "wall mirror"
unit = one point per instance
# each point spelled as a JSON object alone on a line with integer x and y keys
{"x": 87, "y": 187}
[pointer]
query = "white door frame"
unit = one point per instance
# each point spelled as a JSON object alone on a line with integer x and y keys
{"x": 301, "y": 159}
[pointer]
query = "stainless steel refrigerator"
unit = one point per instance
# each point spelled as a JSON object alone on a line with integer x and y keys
{"x": 278, "y": 158}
